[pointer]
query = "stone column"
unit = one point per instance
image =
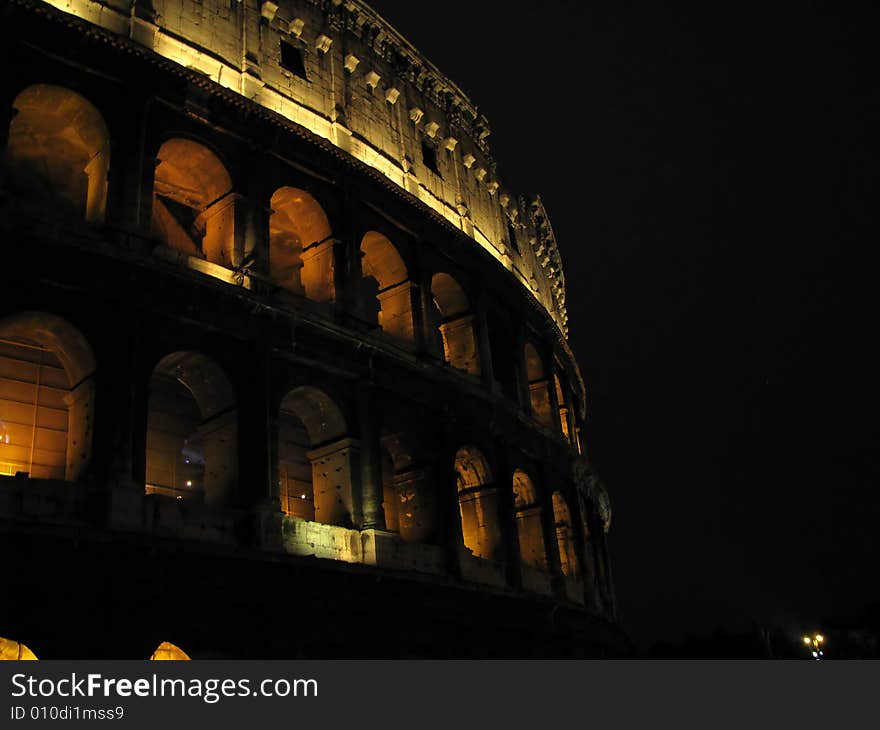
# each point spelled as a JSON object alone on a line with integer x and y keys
{"x": 221, "y": 446}
{"x": 335, "y": 480}
{"x": 592, "y": 571}
{"x": 507, "y": 515}
{"x": 80, "y": 430}
{"x": 548, "y": 519}
{"x": 221, "y": 244}
{"x": 522, "y": 371}
{"x": 396, "y": 313}
{"x": 603, "y": 563}
{"x": 418, "y": 506}
{"x": 485, "y": 349}
{"x": 7, "y": 114}
{"x": 372, "y": 491}
{"x": 319, "y": 268}
{"x": 460, "y": 344}
{"x": 555, "y": 424}
{"x": 448, "y": 512}
{"x": 131, "y": 170}
{"x": 431, "y": 337}
{"x": 121, "y": 410}
{"x": 96, "y": 195}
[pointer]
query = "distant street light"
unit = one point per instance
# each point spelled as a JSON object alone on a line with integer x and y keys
{"x": 815, "y": 643}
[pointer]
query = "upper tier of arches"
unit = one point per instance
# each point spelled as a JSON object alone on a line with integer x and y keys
{"x": 287, "y": 237}
{"x": 339, "y": 71}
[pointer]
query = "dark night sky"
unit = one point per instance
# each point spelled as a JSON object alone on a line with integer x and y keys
{"x": 708, "y": 173}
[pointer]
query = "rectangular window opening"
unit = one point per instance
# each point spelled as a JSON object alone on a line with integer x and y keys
{"x": 511, "y": 234}
{"x": 429, "y": 157}
{"x": 292, "y": 59}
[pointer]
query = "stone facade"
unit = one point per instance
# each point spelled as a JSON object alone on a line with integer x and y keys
{"x": 256, "y": 360}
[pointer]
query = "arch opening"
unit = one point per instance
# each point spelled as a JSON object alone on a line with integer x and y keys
{"x": 166, "y": 651}
{"x": 193, "y": 203}
{"x": 454, "y": 324}
{"x": 385, "y": 287}
{"x": 58, "y": 153}
{"x": 564, "y": 411}
{"x": 529, "y": 528}
{"x": 408, "y": 499}
{"x": 539, "y": 393}
{"x": 300, "y": 245}
{"x": 192, "y": 430}
{"x": 316, "y": 460}
{"x": 15, "y": 651}
{"x": 47, "y": 394}
{"x": 478, "y": 504}
{"x": 565, "y": 537}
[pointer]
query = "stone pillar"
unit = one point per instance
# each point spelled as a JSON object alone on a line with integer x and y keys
{"x": 522, "y": 380}
{"x": 318, "y": 272}
{"x": 348, "y": 261}
{"x": 372, "y": 489}
{"x": 555, "y": 424}
{"x": 548, "y": 520}
{"x": 485, "y": 349}
{"x": 80, "y": 419}
{"x": 257, "y": 435}
{"x": 602, "y": 562}
{"x": 432, "y": 339}
{"x": 256, "y": 227}
{"x": 7, "y": 114}
{"x": 449, "y": 514}
{"x": 120, "y": 437}
{"x": 507, "y": 515}
{"x": 96, "y": 196}
{"x": 220, "y": 434}
{"x": 592, "y": 571}
{"x": 417, "y": 521}
{"x": 396, "y": 313}
{"x": 220, "y": 244}
{"x": 460, "y": 345}
{"x": 334, "y": 469}
{"x": 566, "y": 417}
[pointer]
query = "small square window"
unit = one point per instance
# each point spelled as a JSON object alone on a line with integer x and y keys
{"x": 429, "y": 157}
{"x": 292, "y": 59}
{"x": 511, "y": 234}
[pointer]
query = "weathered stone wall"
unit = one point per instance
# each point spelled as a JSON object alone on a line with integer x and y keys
{"x": 358, "y": 83}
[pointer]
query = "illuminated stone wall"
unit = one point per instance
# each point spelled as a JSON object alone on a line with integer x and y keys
{"x": 262, "y": 350}
{"x": 344, "y": 74}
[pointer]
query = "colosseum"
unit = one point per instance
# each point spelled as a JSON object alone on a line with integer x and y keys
{"x": 284, "y": 369}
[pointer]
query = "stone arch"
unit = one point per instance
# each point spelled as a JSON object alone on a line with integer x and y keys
{"x": 564, "y": 410}
{"x": 386, "y": 288}
{"x": 529, "y": 527}
{"x": 539, "y": 393}
{"x": 300, "y": 245}
{"x": 192, "y": 429}
{"x": 316, "y": 459}
{"x": 478, "y": 504}
{"x": 47, "y": 397}
{"x": 58, "y": 152}
{"x": 455, "y": 323}
{"x": 15, "y": 651}
{"x": 565, "y": 536}
{"x": 193, "y": 202}
{"x": 409, "y": 501}
{"x": 166, "y": 651}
